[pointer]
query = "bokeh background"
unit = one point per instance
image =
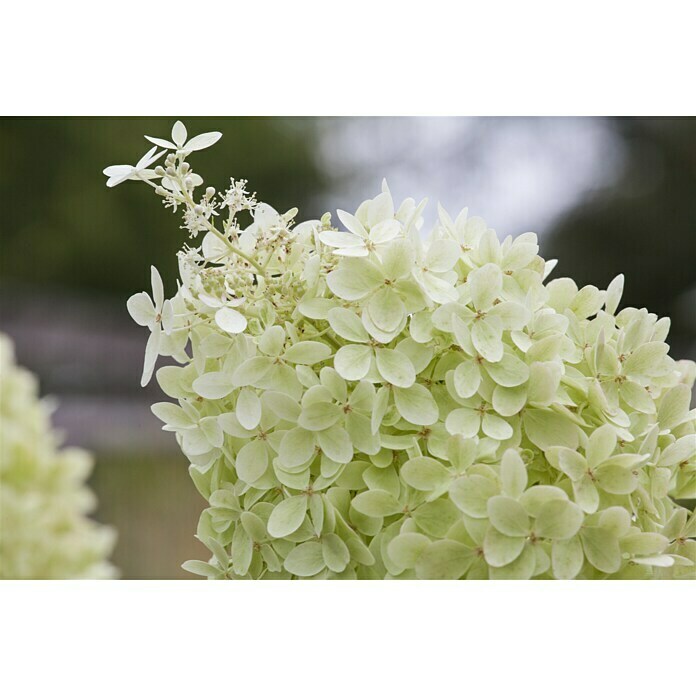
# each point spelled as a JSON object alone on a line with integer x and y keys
{"x": 605, "y": 195}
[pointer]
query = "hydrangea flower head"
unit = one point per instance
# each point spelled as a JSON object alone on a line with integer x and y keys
{"x": 44, "y": 529}
{"x": 364, "y": 401}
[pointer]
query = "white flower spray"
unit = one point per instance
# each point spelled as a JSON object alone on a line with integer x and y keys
{"x": 44, "y": 530}
{"x": 368, "y": 403}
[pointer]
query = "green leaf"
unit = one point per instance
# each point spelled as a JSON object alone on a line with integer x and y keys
{"x": 335, "y": 553}
{"x": 405, "y": 549}
{"x": 567, "y": 558}
{"x": 444, "y": 560}
{"x": 376, "y": 504}
{"x": 353, "y": 362}
{"x": 471, "y": 493}
{"x": 416, "y": 405}
{"x": 305, "y": 559}
{"x": 424, "y": 474}
{"x": 601, "y": 549}
{"x": 508, "y": 516}
{"x": 307, "y": 352}
{"x": 559, "y": 519}
{"x": 287, "y": 516}
{"x": 395, "y": 367}
{"x": 499, "y": 549}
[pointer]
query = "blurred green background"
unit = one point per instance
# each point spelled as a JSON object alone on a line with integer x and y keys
{"x": 606, "y": 195}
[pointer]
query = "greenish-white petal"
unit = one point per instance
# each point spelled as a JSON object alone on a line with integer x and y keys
{"x": 353, "y": 362}
{"x": 395, "y": 367}
{"x": 287, "y": 516}
{"x": 416, "y": 404}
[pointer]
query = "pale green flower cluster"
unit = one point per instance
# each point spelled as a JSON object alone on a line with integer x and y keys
{"x": 44, "y": 530}
{"x": 365, "y": 402}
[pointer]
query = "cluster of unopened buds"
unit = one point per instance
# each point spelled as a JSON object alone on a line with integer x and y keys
{"x": 365, "y": 401}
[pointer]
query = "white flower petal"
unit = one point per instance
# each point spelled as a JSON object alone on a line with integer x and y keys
{"x": 179, "y": 134}
{"x": 343, "y": 239}
{"x": 157, "y": 288}
{"x": 161, "y": 143}
{"x": 230, "y": 320}
{"x": 141, "y": 309}
{"x": 200, "y": 142}
{"x": 151, "y": 353}
{"x": 352, "y": 223}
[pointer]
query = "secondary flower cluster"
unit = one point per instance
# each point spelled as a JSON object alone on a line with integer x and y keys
{"x": 364, "y": 402}
{"x": 44, "y": 531}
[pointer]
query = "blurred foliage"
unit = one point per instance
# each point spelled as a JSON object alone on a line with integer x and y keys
{"x": 643, "y": 226}
{"x": 63, "y": 227}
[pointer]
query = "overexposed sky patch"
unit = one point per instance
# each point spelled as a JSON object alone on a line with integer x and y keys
{"x": 517, "y": 173}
